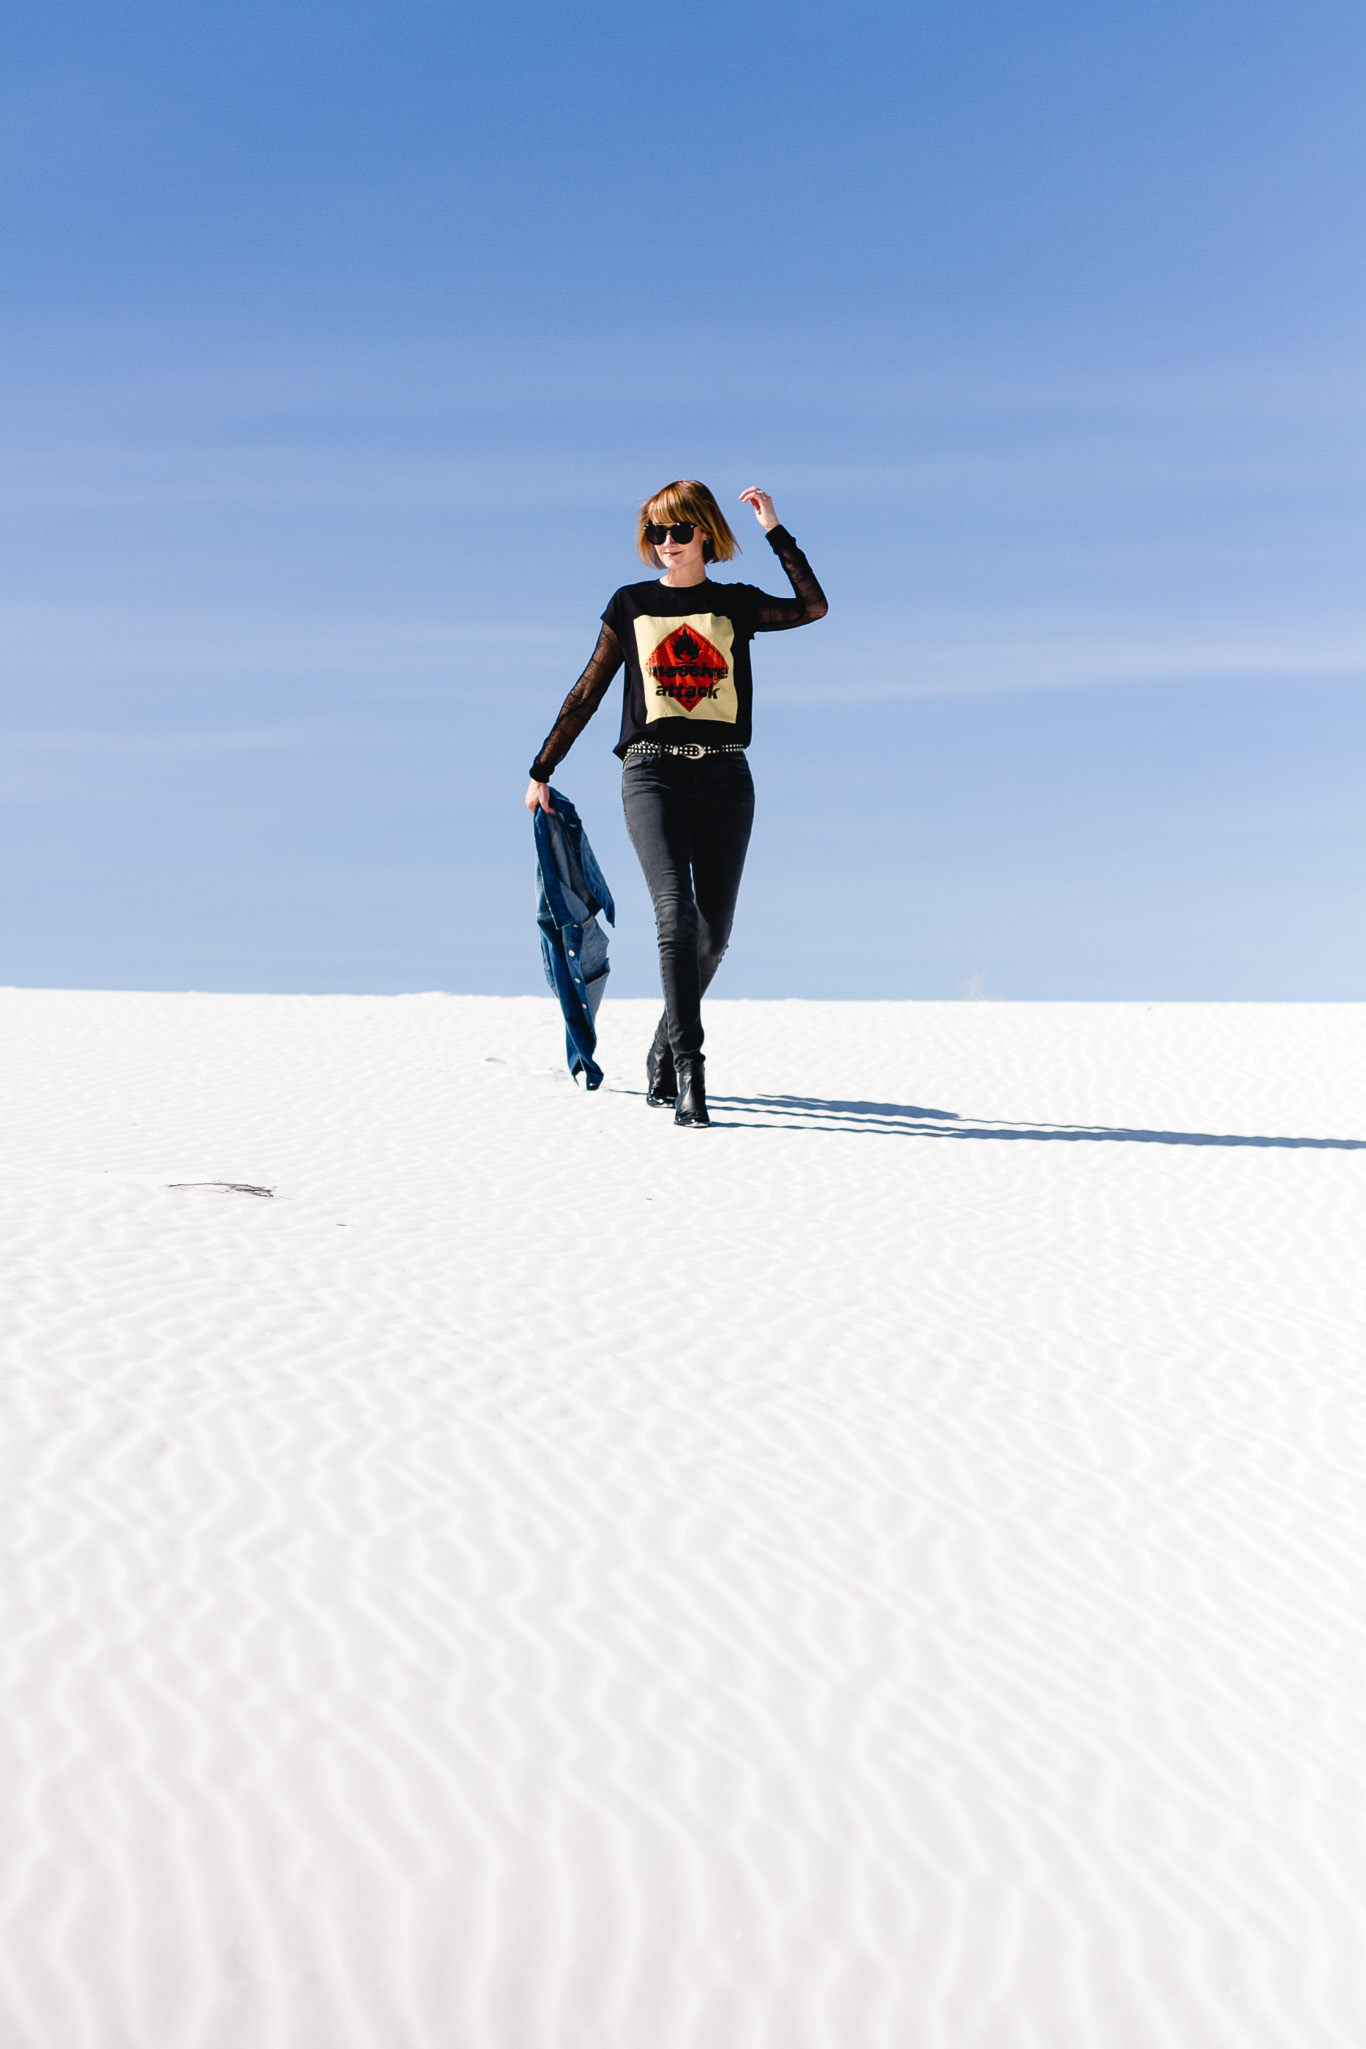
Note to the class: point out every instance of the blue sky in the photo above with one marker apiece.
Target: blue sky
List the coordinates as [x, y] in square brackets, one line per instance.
[341, 343]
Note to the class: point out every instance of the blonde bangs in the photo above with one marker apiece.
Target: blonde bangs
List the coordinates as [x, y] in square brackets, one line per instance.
[686, 499]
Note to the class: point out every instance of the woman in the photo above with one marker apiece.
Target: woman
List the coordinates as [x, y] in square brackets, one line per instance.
[685, 725]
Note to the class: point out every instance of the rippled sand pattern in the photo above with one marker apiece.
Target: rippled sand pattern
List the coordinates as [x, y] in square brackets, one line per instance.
[485, 1570]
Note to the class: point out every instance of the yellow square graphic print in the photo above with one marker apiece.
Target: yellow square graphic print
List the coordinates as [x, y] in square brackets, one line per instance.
[686, 665]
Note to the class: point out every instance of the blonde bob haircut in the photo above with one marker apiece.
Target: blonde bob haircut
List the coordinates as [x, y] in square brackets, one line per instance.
[687, 499]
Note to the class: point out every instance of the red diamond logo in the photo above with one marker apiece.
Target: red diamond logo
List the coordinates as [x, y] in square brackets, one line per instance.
[687, 667]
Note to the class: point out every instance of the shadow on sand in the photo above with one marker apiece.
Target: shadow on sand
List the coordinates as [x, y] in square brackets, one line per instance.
[910, 1120]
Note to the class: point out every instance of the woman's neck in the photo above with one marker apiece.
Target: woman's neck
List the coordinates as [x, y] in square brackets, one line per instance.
[674, 582]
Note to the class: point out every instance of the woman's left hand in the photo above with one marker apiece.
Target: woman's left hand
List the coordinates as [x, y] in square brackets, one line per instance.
[761, 503]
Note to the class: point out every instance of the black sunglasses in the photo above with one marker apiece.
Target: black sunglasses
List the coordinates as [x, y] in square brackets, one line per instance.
[682, 531]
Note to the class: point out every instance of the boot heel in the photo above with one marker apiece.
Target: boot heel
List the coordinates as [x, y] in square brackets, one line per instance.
[661, 1089]
[691, 1107]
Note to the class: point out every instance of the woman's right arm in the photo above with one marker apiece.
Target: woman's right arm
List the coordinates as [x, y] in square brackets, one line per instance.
[577, 709]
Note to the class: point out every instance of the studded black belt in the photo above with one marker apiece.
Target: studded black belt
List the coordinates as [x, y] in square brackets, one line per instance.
[692, 751]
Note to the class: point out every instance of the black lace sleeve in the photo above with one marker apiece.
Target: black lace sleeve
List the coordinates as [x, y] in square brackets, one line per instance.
[810, 603]
[580, 705]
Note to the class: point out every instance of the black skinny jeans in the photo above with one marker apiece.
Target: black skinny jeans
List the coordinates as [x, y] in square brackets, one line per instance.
[689, 823]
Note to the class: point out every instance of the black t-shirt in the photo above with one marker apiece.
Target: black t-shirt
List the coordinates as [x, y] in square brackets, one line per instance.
[686, 656]
[686, 651]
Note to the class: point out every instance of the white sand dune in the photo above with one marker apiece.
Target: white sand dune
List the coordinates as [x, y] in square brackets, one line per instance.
[888, 1573]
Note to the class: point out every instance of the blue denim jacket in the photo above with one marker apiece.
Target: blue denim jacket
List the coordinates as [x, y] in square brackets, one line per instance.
[573, 944]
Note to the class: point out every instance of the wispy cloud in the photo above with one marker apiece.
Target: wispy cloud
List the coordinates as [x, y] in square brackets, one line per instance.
[286, 472]
[103, 644]
[947, 668]
[89, 740]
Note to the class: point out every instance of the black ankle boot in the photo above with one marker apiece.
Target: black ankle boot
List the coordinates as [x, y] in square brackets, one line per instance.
[691, 1107]
[660, 1077]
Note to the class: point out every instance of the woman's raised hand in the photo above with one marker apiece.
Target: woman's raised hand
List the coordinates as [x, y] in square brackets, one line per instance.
[538, 797]
[761, 504]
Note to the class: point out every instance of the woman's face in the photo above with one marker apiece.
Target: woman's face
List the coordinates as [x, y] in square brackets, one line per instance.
[683, 560]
